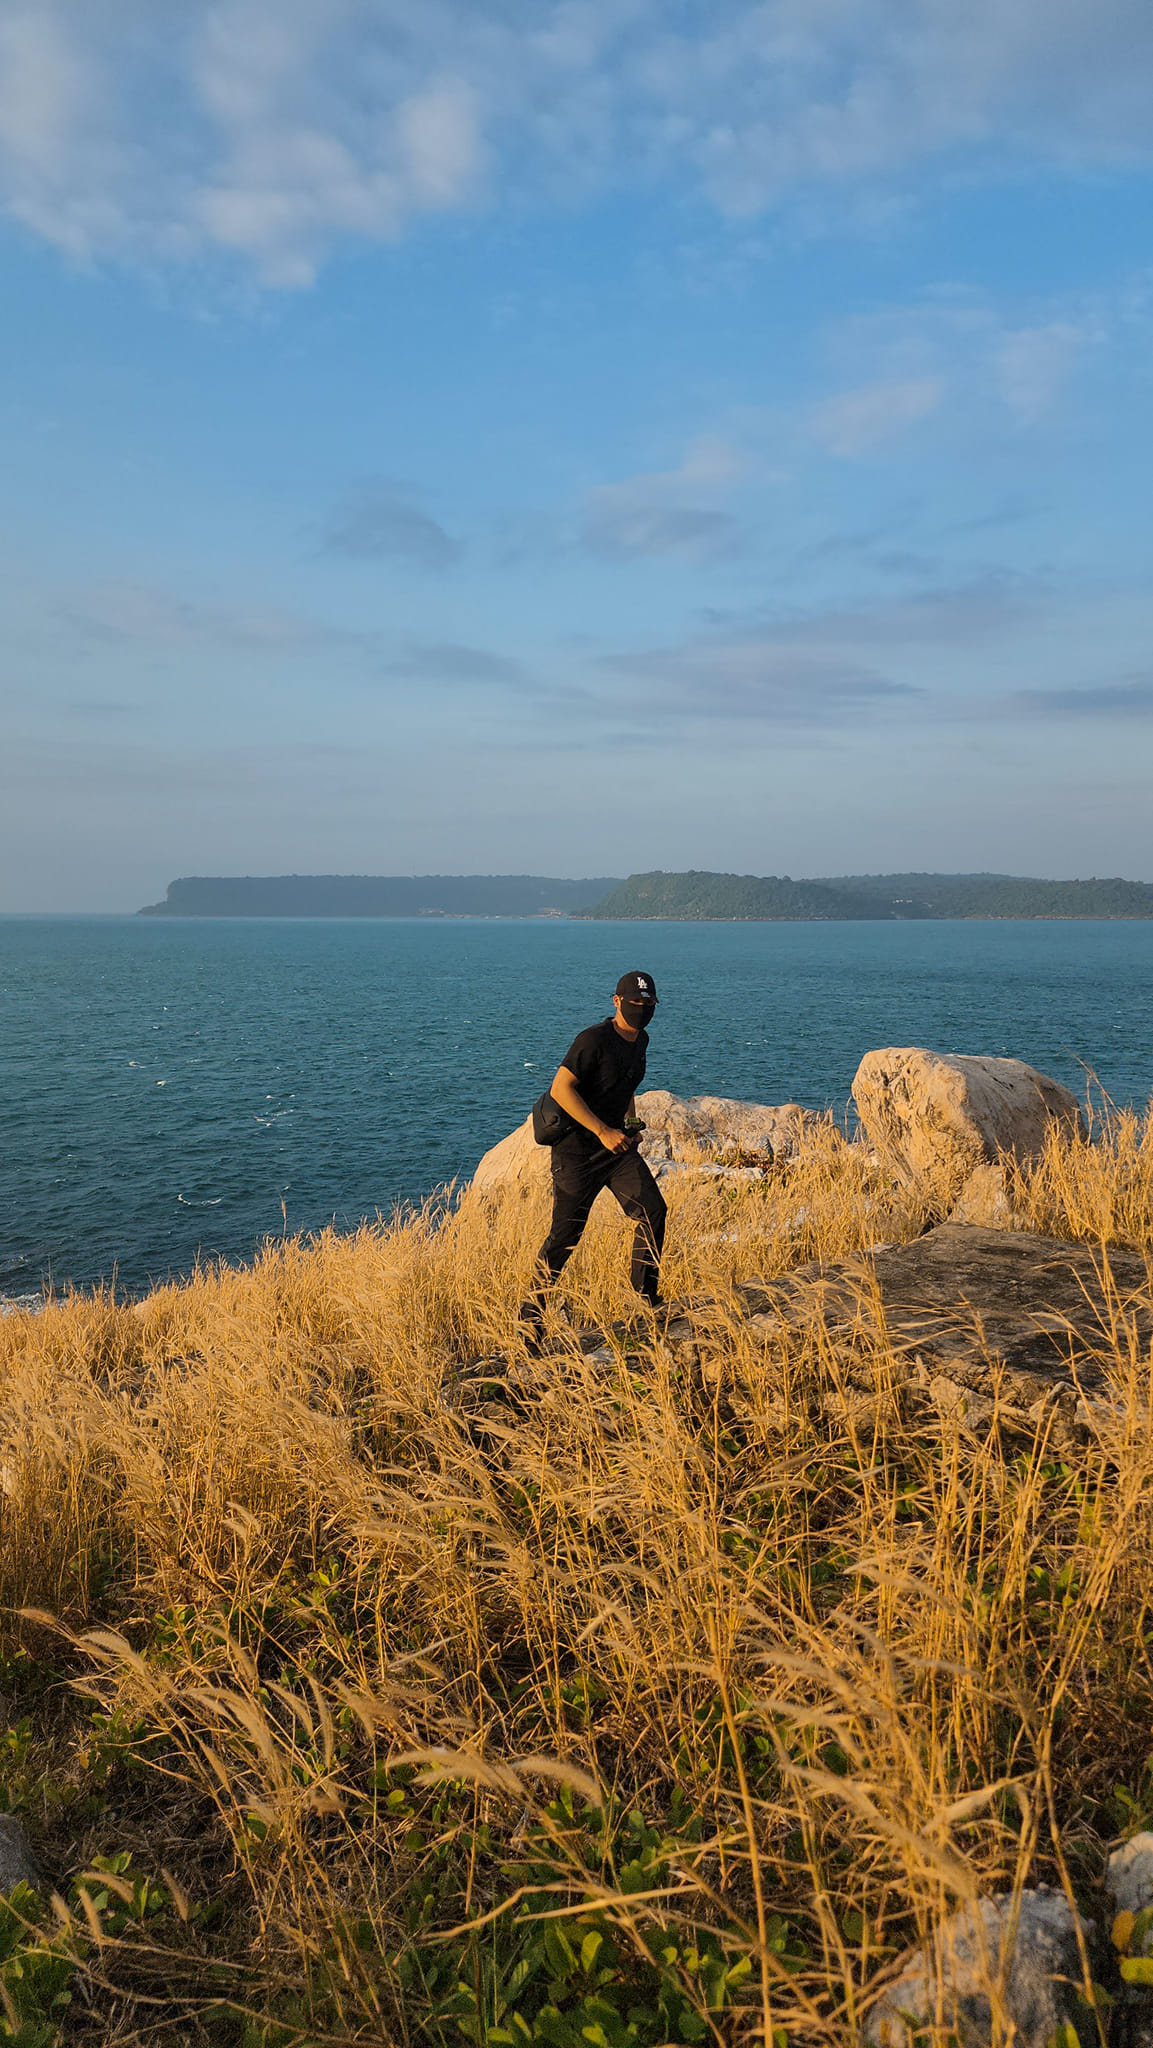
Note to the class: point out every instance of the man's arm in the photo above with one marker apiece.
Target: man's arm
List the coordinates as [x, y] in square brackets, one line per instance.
[565, 1091]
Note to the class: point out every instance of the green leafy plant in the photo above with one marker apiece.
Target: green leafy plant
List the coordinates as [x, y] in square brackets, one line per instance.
[37, 1967]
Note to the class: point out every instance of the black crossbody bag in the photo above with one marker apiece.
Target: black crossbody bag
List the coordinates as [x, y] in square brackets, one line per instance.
[550, 1122]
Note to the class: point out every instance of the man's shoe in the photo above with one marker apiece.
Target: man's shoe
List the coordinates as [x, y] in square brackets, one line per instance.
[530, 1323]
[662, 1312]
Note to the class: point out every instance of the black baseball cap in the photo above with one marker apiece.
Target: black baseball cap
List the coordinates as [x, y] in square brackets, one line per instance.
[637, 988]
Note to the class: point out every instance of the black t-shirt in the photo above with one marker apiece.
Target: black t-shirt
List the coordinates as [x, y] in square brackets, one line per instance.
[608, 1070]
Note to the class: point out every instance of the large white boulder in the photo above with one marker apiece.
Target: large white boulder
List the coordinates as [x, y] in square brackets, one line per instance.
[701, 1132]
[517, 1165]
[938, 1116]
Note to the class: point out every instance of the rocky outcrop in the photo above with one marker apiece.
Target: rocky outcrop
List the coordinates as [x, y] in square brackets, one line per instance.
[704, 1133]
[972, 1325]
[1003, 1969]
[936, 1118]
[517, 1165]
[1129, 1877]
[979, 1322]
[1129, 1883]
[714, 1128]
[17, 1863]
[987, 1197]
[1008, 1968]
[956, 1126]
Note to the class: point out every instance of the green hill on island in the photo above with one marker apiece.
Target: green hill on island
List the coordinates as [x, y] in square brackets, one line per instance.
[999, 896]
[377, 896]
[699, 895]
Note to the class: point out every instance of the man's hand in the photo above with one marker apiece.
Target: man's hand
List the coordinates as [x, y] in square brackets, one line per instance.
[565, 1091]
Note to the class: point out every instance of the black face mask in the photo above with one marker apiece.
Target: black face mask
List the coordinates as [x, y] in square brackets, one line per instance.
[636, 1015]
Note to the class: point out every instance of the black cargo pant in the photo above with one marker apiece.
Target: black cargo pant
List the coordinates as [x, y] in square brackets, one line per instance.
[578, 1176]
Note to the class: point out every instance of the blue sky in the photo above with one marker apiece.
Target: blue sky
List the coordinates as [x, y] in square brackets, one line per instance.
[573, 438]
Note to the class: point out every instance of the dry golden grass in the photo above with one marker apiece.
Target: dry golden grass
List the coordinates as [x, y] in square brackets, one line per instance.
[377, 1673]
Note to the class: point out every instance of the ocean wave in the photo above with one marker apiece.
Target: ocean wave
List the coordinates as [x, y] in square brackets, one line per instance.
[17, 1304]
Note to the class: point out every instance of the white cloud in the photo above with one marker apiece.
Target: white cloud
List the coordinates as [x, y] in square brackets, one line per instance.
[989, 608]
[856, 422]
[668, 512]
[42, 86]
[272, 129]
[58, 174]
[439, 138]
[379, 521]
[960, 353]
[241, 126]
[1132, 697]
[140, 615]
[832, 667]
[140, 618]
[449, 663]
[764, 677]
[305, 151]
[1033, 365]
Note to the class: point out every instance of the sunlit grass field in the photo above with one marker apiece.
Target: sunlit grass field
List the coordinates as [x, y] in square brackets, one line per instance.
[345, 1700]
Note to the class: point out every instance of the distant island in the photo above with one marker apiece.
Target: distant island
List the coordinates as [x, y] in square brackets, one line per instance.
[378, 896]
[696, 896]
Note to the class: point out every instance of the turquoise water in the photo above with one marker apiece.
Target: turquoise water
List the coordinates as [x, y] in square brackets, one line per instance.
[169, 1089]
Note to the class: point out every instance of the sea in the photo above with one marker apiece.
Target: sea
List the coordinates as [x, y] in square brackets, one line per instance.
[182, 1091]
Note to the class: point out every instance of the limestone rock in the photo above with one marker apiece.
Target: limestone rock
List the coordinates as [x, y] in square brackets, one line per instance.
[986, 1199]
[1129, 1875]
[958, 1975]
[701, 1169]
[1129, 1883]
[935, 1117]
[17, 1863]
[517, 1165]
[706, 1133]
[717, 1129]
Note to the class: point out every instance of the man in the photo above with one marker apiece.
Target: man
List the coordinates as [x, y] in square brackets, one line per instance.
[596, 1085]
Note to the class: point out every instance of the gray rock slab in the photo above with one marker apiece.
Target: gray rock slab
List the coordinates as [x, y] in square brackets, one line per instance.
[977, 1315]
[978, 1961]
[17, 1863]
